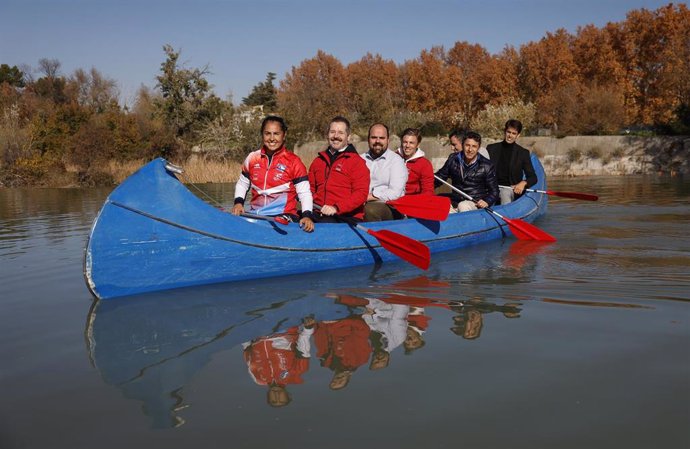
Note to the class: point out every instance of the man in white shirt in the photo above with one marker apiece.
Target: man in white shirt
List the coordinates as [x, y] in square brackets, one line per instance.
[388, 175]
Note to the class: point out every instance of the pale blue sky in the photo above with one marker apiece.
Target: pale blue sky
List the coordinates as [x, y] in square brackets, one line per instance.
[242, 40]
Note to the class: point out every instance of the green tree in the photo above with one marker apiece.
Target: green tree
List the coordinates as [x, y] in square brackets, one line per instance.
[11, 75]
[187, 102]
[263, 94]
[51, 89]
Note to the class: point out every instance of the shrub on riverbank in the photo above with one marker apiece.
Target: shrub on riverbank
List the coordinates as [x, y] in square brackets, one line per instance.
[38, 173]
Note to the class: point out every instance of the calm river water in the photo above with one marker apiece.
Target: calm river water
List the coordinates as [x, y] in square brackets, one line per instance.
[581, 343]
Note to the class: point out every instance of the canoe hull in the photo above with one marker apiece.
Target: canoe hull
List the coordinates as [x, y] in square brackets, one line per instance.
[153, 234]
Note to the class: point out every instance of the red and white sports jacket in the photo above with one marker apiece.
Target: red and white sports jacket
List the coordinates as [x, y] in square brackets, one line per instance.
[276, 183]
[279, 359]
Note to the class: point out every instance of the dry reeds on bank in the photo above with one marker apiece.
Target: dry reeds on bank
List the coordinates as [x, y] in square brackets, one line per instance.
[121, 170]
[196, 170]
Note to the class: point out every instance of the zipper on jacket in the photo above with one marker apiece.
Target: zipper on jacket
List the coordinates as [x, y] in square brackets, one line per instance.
[268, 168]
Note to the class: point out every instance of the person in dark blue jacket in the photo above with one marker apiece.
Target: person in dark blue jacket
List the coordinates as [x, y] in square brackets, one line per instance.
[472, 173]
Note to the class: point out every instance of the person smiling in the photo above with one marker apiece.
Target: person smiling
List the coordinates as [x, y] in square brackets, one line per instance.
[338, 176]
[277, 178]
[420, 172]
[472, 173]
[388, 175]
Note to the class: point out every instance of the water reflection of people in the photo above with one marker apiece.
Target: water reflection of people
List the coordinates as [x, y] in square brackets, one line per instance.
[280, 359]
[468, 322]
[342, 346]
[388, 324]
[418, 323]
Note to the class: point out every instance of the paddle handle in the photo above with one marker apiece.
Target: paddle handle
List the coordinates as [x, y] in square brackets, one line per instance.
[470, 198]
[575, 195]
[281, 219]
[455, 189]
[526, 190]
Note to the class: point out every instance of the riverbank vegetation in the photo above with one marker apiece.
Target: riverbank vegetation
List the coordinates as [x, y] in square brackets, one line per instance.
[630, 76]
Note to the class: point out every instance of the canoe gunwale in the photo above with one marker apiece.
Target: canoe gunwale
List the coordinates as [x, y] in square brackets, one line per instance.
[295, 249]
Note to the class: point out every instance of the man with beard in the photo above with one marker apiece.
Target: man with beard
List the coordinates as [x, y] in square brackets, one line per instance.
[338, 176]
[388, 175]
[513, 164]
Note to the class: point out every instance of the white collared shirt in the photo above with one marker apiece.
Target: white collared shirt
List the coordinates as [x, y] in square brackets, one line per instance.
[388, 175]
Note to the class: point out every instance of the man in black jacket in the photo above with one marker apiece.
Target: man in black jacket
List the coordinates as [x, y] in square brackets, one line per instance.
[513, 164]
[472, 173]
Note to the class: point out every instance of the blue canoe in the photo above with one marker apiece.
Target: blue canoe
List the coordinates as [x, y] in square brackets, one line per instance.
[153, 234]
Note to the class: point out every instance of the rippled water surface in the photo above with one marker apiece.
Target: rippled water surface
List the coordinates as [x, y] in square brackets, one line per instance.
[581, 343]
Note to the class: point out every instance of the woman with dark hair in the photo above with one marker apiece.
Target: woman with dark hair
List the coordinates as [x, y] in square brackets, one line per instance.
[420, 178]
[277, 178]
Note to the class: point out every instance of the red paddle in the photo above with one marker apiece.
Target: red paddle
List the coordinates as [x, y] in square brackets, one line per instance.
[520, 229]
[408, 249]
[428, 207]
[575, 195]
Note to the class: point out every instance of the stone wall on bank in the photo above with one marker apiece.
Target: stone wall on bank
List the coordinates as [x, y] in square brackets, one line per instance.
[568, 156]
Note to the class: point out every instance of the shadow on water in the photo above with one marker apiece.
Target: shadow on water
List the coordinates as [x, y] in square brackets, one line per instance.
[151, 346]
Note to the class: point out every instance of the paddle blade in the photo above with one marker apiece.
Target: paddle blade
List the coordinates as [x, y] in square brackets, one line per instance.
[575, 195]
[408, 249]
[526, 231]
[428, 207]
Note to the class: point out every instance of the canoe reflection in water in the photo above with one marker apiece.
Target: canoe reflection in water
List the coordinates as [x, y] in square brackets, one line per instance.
[151, 346]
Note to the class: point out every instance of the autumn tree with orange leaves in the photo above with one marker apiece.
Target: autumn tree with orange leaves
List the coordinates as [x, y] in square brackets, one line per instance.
[636, 72]
[312, 93]
[654, 50]
[432, 85]
[374, 90]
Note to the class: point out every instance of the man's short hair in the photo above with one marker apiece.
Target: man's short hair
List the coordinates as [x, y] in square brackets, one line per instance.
[472, 135]
[340, 119]
[458, 134]
[513, 123]
[378, 124]
[412, 132]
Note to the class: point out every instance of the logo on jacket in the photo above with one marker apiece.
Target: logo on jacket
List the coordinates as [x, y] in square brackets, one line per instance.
[281, 167]
[338, 168]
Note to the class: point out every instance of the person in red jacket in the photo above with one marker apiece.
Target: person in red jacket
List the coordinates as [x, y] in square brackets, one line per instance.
[338, 176]
[277, 178]
[280, 359]
[342, 346]
[420, 178]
